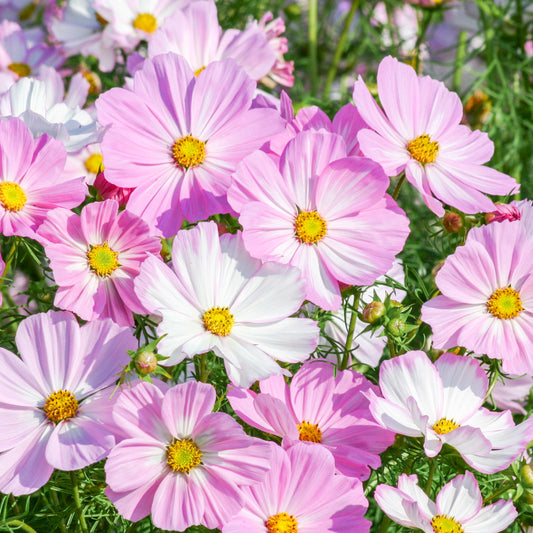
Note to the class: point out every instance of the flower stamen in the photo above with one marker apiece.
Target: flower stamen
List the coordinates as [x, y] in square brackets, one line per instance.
[183, 455]
[310, 227]
[505, 303]
[444, 524]
[282, 523]
[12, 196]
[21, 69]
[94, 164]
[218, 320]
[188, 152]
[423, 149]
[309, 432]
[60, 405]
[145, 22]
[102, 259]
[444, 426]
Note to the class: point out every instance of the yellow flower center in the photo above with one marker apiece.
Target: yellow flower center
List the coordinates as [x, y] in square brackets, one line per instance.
[444, 426]
[60, 405]
[102, 259]
[505, 303]
[94, 164]
[21, 69]
[94, 82]
[309, 432]
[188, 152]
[282, 523]
[103, 22]
[423, 149]
[218, 320]
[197, 72]
[183, 456]
[310, 227]
[442, 524]
[145, 22]
[12, 196]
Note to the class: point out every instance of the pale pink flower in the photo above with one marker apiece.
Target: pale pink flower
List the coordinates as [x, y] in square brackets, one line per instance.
[486, 301]
[322, 408]
[55, 397]
[516, 210]
[512, 393]
[420, 133]
[443, 403]
[95, 257]
[320, 211]
[301, 492]
[216, 297]
[31, 180]
[458, 507]
[191, 465]
[185, 134]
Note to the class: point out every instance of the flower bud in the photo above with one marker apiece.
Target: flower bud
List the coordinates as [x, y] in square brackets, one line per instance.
[452, 222]
[145, 362]
[373, 312]
[395, 327]
[526, 475]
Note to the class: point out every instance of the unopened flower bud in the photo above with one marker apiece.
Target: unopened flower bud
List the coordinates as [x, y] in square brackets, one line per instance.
[526, 475]
[452, 222]
[145, 362]
[395, 327]
[373, 312]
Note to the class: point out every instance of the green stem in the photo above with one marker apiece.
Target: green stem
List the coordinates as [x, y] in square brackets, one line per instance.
[203, 373]
[431, 473]
[340, 48]
[312, 36]
[459, 60]
[77, 501]
[497, 493]
[351, 330]
[398, 186]
[22, 525]
[384, 525]
[427, 15]
[391, 348]
[9, 260]
[58, 507]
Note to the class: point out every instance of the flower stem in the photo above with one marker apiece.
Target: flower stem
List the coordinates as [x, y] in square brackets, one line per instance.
[9, 260]
[431, 473]
[497, 493]
[384, 524]
[340, 48]
[398, 186]
[460, 60]
[312, 36]
[77, 501]
[351, 329]
[22, 525]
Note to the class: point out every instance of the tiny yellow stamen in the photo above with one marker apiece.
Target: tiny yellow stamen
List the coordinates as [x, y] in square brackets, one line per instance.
[309, 432]
[444, 426]
[21, 69]
[183, 456]
[423, 149]
[60, 405]
[218, 320]
[505, 303]
[282, 523]
[443, 524]
[102, 259]
[145, 22]
[197, 72]
[12, 196]
[188, 152]
[94, 164]
[310, 227]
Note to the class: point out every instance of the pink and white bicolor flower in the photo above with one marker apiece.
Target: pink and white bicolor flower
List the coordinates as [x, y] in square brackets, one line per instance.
[442, 402]
[458, 507]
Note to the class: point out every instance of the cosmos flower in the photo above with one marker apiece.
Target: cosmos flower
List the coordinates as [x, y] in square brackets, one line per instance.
[190, 464]
[320, 211]
[185, 134]
[458, 507]
[486, 300]
[319, 407]
[95, 256]
[420, 133]
[443, 403]
[216, 297]
[31, 180]
[54, 400]
[301, 492]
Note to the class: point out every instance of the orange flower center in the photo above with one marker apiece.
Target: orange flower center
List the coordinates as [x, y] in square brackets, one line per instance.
[423, 149]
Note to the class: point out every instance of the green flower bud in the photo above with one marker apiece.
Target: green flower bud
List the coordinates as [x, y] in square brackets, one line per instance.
[145, 362]
[396, 327]
[373, 312]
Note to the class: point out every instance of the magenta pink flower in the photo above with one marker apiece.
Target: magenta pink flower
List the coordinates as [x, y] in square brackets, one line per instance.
[320, 211]
[31, 181]
[95, 257]
[54, 400]
[420, 133]
[302, 492]
[190, 464]
[322, 408]
[486, 301]
[185, 136]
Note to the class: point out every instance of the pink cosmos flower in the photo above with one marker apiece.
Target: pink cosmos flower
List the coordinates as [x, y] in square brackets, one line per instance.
[95, 257]
[516, 210]
[459, 507]
[486, 303]
[190, 464]
[320, 211]
[420, 133]
[54, 402]
[319, 407]
[443, 403]
[301, 492]
[216, 297]
[185, 136]
[512, 393]
[31, 181]
[201, 41]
